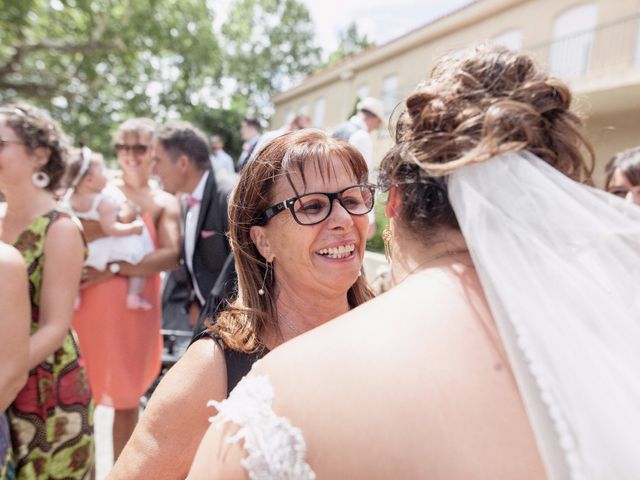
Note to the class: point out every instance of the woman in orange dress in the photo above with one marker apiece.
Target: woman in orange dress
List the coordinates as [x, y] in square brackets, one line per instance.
[122, 347]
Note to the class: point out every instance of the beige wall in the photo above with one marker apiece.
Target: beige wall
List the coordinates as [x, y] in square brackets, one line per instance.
[611, 134]
[410, 57]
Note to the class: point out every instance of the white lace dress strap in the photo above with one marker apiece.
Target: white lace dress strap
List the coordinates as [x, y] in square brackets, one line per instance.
[276, 449]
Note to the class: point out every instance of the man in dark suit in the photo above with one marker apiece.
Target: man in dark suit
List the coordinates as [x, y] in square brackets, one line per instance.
[250, 130]
[181, 155]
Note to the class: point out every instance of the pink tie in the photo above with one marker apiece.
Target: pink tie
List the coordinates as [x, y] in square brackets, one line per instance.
[191, 201]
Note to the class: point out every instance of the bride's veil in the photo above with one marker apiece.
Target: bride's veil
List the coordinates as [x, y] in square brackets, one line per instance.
[559, 263]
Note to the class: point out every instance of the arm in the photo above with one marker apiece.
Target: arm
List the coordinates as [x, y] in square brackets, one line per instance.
[64, 254]
[14, 324]
[109, 221]
[92, 230]
[167, 255]
[165, 441]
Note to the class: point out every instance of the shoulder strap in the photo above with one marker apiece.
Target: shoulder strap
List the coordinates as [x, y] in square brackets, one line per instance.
[238, 363]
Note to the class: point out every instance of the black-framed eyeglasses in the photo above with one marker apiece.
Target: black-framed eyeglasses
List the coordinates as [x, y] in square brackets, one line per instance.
[137, 149]
[4, 142]
[315, 207]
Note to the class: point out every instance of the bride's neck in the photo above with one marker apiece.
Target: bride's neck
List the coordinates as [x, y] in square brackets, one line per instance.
[411, 254]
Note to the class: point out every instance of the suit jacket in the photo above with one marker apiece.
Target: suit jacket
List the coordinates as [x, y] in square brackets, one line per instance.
[211, 248]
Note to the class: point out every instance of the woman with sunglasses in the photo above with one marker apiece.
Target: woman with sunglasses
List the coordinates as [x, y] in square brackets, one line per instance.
[51, 420]
[298, 225]
[123, 347]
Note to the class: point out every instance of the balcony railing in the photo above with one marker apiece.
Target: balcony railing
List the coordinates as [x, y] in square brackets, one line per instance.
[609, 49]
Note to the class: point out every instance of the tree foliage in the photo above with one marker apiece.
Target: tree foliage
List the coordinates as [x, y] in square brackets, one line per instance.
[350, 42]
[267, 43]
[94, 63]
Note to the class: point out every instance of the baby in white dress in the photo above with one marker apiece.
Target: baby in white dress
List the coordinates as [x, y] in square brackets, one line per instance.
[91, 199]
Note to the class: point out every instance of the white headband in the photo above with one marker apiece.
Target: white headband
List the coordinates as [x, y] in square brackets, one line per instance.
[85, 153]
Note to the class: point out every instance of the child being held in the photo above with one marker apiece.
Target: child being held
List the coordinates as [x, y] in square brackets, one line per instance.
[126, 242]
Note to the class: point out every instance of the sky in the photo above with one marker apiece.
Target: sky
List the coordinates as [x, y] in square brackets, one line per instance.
[381, 20]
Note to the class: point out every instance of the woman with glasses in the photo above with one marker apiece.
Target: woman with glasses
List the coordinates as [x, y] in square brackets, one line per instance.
[298, 225]
[623, 175]
[123, 347]
[509, 346]
[51, 418]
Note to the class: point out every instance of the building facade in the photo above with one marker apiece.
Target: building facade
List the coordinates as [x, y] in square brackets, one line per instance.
[594, 45]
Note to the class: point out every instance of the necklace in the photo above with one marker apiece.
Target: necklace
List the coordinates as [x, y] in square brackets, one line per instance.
[421, 265]
[296, 331]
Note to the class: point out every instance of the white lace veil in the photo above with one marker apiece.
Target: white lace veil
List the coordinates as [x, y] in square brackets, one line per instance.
[559, 263]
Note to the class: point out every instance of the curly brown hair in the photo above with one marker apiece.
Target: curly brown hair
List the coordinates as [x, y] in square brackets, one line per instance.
[475, 105]
[251, 315]
[36, 128]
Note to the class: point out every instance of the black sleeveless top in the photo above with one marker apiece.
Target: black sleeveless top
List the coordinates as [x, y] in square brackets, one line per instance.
[238, 363]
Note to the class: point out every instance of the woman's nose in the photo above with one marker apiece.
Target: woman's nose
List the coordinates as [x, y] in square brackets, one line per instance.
[339, 216]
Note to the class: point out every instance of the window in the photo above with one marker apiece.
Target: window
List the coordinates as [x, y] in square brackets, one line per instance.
[318, 113]
[390, 93]
[304, 109]
[512, 39]
[363, 91]
[572, 41]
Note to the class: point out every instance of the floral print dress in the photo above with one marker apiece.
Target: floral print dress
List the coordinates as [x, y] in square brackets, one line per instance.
[51, 419]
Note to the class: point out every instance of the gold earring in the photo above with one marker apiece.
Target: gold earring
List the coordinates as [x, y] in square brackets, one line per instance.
[387, 234]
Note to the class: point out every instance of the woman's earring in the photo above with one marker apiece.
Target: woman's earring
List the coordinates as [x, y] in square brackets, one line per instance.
[40, 179]
[264, 279]
[387, 234]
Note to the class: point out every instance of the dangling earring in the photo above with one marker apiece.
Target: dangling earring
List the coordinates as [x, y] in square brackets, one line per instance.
[387, 234]
[264, 280]
[40, 179]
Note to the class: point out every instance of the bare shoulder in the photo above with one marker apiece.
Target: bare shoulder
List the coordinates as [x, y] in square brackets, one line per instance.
[64, 228]
[165, 199]
[200, 373]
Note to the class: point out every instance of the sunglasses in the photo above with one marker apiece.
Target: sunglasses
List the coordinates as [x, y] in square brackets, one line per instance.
[312, 208]
[137, 149]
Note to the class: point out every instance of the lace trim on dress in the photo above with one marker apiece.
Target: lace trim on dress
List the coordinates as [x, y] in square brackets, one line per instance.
[276, 449]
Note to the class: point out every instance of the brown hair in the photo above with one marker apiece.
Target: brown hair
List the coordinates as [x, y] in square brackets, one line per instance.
[628, 162]
[75, 164]
[481, 103]
[36, 128]
[251, 315]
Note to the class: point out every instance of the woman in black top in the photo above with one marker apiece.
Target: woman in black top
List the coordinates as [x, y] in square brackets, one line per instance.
[298, 228]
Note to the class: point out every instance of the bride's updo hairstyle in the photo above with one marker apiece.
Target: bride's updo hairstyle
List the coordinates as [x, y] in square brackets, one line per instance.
[475, 105]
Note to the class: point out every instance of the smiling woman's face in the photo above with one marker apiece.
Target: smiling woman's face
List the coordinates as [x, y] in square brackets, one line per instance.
[316, 260]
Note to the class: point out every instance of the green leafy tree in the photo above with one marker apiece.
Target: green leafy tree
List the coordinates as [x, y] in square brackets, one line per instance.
[267, 44]
[350, 42]
[95, 63]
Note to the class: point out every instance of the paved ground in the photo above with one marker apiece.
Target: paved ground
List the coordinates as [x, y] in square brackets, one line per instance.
[104, 450]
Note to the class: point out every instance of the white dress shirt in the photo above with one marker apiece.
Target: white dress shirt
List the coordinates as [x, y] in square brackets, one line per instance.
[190, 225]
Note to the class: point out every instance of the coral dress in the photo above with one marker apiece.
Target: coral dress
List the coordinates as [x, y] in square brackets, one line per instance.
[51, 419]
[122, 348]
